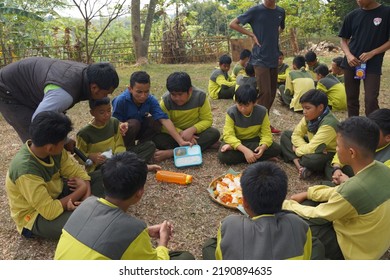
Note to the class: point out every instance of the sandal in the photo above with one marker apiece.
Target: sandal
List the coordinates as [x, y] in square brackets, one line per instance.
[304, 173]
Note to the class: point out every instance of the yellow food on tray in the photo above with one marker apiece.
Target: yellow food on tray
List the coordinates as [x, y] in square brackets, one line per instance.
[227, 190]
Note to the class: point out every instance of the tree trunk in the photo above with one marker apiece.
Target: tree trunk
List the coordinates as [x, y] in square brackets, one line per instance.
[141, 43]
[294, 40]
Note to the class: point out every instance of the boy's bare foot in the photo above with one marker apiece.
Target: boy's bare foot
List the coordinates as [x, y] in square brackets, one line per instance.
[226, 147]
[161, 155]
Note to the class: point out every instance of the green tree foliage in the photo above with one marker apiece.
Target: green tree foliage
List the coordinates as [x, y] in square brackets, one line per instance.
[210, 18]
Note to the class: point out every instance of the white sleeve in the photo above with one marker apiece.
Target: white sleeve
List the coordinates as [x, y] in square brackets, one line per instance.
[57, 100]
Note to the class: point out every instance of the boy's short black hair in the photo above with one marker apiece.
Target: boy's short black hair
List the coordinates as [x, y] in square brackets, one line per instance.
[338, 60]
[49, 127]
[310, 56]
[250, 70]
[246, 94]
[225, 59]
[245, 53]
[140, 77]
[264, 187]
[103, 74]
[315, 97]
[322, 69]
[382, 118]
[93, 103]
[299, 61]
[123, 175]
[179, 82]
[360, 132]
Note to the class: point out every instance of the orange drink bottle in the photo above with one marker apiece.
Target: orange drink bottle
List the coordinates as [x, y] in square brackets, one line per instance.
[173, 177]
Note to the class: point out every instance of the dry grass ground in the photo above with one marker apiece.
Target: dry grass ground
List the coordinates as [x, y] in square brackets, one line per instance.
[194, 215]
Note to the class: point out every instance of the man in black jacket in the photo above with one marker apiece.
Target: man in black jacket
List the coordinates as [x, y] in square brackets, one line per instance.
[37, 84]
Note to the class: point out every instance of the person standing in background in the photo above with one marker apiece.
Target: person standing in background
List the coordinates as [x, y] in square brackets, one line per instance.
[364, 37]
[266, 20]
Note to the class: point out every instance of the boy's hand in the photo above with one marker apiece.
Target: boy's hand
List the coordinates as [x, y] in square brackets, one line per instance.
[299, 197]
[69, 146]
[165, 233]
[97, 158]
[339, 177]
[79, 184]
[123, 127]
[250, 156]
[352, 60]
[259, 151]
[188, 134]
[153, 167]
[71, 206]
[185, 143]
[364, 57]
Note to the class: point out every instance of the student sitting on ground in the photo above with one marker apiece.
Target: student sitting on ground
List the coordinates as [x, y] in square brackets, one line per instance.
[101, 229]
[298, 82]
[221, 85]
[313, 142]
[283, 70]
[239, 68]
[268, 233]
[339, 173]
[44, 184]
[247, 134]
[144, 116]
[352, 220]
[190, 112]
[336, 68]
[312, 63]
[102, 137]
[249, 77]
[333, 88]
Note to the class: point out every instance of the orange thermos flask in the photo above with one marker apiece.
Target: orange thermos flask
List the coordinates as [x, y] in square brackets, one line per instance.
[173, 177]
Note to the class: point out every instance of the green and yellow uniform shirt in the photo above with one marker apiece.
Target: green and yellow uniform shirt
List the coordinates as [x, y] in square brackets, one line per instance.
[359, 210]
[99, 230]
[33, 185]
[239, 127]
[95, 139]
[196, 112]
[283, 71]
[266, 237]
[218, 79]
[335, 91]
[298, 82]
[324, 137]
[238, 69]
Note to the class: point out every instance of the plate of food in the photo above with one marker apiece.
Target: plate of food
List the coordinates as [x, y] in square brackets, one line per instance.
[226, 190]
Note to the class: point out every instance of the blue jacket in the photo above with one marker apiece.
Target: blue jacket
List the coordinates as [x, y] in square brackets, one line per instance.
[124, 108]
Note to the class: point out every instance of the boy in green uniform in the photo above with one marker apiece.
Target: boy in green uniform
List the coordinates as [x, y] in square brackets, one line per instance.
[101, 229]
[313, 142]
[190, 112]
[102, 137]
[249, 77]
[268, 233]
[247, 134]
[352, 220]
[239, 68]
[336, 69]
[312, 63]
[298, 82]
[283, 70]
[40, 202]
[332, 87]
[340, 173]
[221, 85]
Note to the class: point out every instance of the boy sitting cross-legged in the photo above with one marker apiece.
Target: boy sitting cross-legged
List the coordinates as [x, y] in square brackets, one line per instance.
[102, 137]
[190, 112]
[101, 229]
[313, 142]
[247, 134]
[352, 220]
